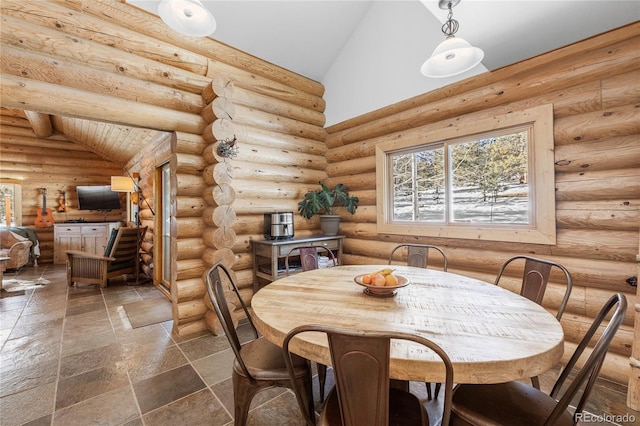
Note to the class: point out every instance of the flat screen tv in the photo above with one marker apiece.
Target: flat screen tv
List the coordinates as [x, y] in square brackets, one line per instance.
[97, 198]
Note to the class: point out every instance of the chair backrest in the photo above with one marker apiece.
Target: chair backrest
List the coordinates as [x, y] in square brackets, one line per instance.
[418, 255]
[123, 247]
[360, 362]
[308, 257]
[535, 277]
[591, 367]
[217, 277]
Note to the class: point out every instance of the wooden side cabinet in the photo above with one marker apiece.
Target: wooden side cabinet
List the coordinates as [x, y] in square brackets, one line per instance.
[268, 256]
[89, 237]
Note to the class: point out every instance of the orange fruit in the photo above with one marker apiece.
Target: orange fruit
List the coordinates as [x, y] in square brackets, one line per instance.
[390, 280]
[366, 279]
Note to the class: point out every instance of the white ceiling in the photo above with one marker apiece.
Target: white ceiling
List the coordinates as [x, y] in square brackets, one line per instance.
[308, 36]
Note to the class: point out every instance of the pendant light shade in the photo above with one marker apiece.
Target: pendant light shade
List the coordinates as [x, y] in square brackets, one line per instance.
[454, 55]
[187, 17]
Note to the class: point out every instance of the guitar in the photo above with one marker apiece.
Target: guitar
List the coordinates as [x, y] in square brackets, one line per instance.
[44, 217]
[62, 201]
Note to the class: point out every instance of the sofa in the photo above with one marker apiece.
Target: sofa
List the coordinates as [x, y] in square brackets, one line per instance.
[16, 248]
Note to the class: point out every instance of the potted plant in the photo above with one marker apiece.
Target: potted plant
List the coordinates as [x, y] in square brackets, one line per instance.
[324, 202]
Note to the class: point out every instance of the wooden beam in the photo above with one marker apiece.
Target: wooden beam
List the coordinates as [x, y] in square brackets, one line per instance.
[41, 123]
[44, 97]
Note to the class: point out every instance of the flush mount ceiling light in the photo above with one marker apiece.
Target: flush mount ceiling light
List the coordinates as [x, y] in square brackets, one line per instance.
[454, 55]
[188, 17]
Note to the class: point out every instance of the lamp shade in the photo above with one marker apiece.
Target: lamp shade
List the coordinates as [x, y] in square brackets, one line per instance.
[122, 184]
[187, 17]
[452, 57]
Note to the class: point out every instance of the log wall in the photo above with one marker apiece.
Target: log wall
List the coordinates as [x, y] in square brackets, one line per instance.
[594, 87]
[56, 164]
[113, 62]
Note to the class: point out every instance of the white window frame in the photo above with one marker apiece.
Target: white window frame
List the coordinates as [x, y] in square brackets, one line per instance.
[16, 201]
[541, 230]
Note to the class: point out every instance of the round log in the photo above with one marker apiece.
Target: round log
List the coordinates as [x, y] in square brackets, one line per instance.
[615, 153]
[288, 126]
[220, 238]
[224, 216]
[191, 309]
[189, 163]
[212, 256]
[224, 194]
[189, 268]
[265, 86]
[246, 133]
[189, 289]
[189, 328]
[190, 248]
[224, 107]
[189, 206]
[598, 125]
[189, 227]
[189, 185]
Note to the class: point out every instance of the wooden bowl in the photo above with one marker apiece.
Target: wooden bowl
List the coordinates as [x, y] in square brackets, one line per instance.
[382, 291]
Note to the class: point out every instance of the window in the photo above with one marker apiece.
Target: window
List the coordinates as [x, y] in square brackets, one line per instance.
[490, 179]
[10, 204]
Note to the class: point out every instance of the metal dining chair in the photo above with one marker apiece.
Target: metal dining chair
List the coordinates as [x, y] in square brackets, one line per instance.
[309, 261]
[362, 395]
[535, 276]
[258, 364]
[418, 256]
[309, 257]
[517, 403]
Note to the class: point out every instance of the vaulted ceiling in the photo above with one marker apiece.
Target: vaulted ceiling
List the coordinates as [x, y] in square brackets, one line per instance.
[307, 37]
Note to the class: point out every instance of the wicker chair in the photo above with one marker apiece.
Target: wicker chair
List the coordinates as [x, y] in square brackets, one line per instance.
[119, 258]
[18, 254]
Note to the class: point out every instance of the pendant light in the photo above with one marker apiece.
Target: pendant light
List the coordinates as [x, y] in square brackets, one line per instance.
[454, 55]
[187, 17]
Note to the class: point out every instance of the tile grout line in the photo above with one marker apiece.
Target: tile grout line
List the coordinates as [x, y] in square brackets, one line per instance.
[117, 339]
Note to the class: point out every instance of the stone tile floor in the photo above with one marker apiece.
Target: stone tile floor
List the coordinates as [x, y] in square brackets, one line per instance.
[69, 356]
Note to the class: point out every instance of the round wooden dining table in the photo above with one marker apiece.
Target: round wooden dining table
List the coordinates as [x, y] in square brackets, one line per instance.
[491, 334]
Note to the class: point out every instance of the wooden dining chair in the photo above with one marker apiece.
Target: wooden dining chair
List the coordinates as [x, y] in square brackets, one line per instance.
[309, 256]
[535, 276]
[517, 403]
[258, 364]
[362, 395]
[418, 256]
[119, 258]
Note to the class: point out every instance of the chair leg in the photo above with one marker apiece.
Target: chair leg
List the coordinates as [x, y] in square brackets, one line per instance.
[322, 378]
[535, 381]
[308, 393]
[243, 393]
[437, 390]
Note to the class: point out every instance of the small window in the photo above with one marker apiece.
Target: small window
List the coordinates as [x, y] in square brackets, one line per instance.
[10, 204]
[495, 182]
